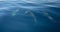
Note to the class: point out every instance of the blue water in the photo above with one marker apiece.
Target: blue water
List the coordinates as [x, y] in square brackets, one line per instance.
[29, 17]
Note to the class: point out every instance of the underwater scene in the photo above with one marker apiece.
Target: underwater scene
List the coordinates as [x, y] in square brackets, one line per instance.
[29, 15]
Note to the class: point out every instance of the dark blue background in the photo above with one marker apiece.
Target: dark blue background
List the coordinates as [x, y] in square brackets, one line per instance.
[24, 22]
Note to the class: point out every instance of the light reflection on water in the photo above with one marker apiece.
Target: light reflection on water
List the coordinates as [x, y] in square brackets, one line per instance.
[29, 17]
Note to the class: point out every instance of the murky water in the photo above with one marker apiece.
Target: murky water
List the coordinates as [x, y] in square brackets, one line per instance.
[29, 16]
